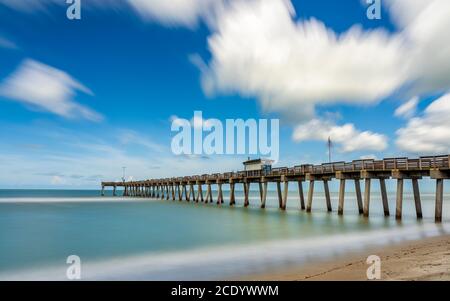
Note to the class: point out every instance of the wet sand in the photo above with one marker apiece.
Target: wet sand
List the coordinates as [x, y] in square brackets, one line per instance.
[427, 259]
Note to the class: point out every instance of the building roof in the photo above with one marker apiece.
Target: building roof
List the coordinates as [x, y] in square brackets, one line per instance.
[257, 161]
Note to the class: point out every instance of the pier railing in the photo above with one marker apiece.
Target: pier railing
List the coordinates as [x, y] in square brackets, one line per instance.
[436, 167]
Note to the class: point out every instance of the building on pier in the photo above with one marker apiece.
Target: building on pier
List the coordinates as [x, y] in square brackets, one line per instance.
[257, 167]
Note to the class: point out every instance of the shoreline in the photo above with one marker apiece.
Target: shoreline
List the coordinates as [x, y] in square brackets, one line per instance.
[425, 259]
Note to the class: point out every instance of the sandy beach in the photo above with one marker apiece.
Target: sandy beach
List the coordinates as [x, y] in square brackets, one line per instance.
[427, 259]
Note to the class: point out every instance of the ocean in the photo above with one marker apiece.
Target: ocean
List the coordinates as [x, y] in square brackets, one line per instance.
[134, 238]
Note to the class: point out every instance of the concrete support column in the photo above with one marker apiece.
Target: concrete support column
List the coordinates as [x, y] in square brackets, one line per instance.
[180, 192]
[191, 191]
[384, 197]
[114, 190]
[232, 196]
[341, 197]
[219, 194]
[285, 195]
[417, 201]
[260, 190]
[209, 198]
[302, 197]
[399, 200]
[173, 191]
[280, 197]
[367, 197]
[125, 190]
[103, 190]
[327, 195]
[157, 191]
[199, 194]
[167, 191]
[264, 195]
[439, 200]
[246, 193]
[185, 192]
[310, 196]
[359, 196]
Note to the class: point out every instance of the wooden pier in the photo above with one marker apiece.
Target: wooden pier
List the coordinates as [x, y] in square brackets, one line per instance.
[190, 188]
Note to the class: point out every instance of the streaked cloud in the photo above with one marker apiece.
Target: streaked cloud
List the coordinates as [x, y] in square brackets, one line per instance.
[170, 13]
[346, 136]
[429, 133]
[259, 50]
[49, 89]
[408, 109]
[174, 12]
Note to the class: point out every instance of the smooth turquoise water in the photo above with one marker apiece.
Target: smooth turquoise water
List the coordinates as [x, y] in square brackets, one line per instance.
[39, 229]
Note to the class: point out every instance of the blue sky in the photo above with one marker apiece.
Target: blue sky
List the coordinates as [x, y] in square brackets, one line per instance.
[322, 67]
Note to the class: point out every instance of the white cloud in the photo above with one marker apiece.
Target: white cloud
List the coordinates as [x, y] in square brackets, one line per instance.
[132, 137]
[259, 50]
[368, 157]
[174, 12]
[47, 88]
[424, 25]
[408, 109]
[29, 5]
[429, 133]
[349, 138]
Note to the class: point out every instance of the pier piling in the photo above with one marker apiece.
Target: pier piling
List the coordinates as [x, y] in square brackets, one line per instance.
[246, 193]
[384, 197]
[232, 196]
[367, 197]
[341, 197]
[285, 195]
[439, 199]
[264, 195]
[399, 200]
[417, 201]
[327, 195]
[310, 196]
[301, 196]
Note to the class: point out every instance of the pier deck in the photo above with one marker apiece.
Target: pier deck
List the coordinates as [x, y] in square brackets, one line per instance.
[399, 169]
